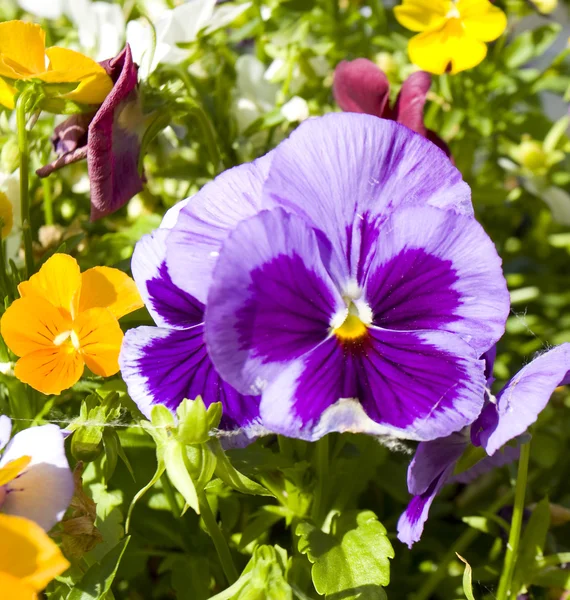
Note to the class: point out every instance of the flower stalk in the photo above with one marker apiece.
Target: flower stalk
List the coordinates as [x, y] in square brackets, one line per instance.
[506, 581]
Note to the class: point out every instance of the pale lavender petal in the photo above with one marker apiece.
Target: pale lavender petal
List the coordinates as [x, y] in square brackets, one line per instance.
[167, 303]
[165, 366]
[271, 299]
[411, 523]
[5, 430]
[422, 385]
[524, 397]
[206, 220]
[44, 490]
[437, 270]
[344, 173]
[432, 458]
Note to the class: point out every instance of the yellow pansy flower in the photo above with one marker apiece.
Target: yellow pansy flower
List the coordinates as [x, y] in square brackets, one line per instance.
[23, 56]
[65, 320]
[29, 559]
[452, 32]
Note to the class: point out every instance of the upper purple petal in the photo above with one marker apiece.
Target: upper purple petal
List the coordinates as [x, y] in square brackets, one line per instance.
[113, 146]
[344, 173]
[437, 270]
[167, 303]
[523, 398]
[361, 86]
[206, 220]
[271, 299]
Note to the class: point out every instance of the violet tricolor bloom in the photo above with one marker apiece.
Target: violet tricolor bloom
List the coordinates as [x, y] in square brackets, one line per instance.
[168, 363]
[35, 479]
[361, 86]
[352, 288]
[504, 418]
[109, 138]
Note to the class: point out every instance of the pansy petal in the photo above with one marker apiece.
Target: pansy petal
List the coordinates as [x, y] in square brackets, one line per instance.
[115, 135]
[481, 19]
[343, 174]
[419, 15]
[104, 287]
[409, 108]
[411, 523]
[14, 587]
[169, 305]
[5, 430]
[425, 274]
[420, 385]
[432, 458]
[31, 324]
[7, 94]
[447, 48]
[270, 302]
[207, 219]
[168, 365]
[44, 489]
[58, 281]
[23, 44]
[524, 397]
[361, 86]
[50, 370]
[28, 554]
[100, 339]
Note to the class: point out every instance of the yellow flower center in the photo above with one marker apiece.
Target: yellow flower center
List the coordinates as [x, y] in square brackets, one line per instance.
[352, 328]
[69, 338]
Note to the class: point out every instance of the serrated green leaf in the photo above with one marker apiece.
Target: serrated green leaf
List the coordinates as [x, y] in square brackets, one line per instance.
[353, 557]
[99, 577]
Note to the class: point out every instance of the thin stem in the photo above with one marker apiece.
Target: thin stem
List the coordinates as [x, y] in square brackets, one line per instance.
[218, 538]
[322, 459]
[24, 181]
[170, 495]
[463, 542]
[48, 201]
[506, 581]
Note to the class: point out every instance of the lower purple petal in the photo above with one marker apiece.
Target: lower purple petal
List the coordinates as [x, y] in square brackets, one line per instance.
[165, 366]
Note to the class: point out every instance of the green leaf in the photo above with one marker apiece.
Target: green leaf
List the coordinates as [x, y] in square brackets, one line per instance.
[265, 518]
[193, 427]
[467, 579]
[98, 579]
[175, 461]
[232, 477]
[354, 557]
[530, 44]
[532, 544]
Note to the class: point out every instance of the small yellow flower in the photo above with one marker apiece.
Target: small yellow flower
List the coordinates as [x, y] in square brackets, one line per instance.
[6, 215]
[452, 32]
[65, 320]
[29, 559]
[23, 56]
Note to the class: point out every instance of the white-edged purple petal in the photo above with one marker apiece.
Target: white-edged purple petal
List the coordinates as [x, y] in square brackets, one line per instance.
[345, 173]
[5, 430]
[165, 366]
[436, 270]
[167, 303]
[271, 299]
[43, 491]
[523, 398]
[206, 220]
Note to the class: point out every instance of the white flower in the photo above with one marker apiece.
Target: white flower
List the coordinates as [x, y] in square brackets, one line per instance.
[46, 9]
[35, 479]
[296, 110]
[10, 185]
[181, 25]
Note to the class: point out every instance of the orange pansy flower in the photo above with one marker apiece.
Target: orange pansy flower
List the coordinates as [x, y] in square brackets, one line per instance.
[65, 320]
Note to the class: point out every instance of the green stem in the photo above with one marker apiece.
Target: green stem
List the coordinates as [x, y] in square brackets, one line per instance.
[380, 13]
[170, 495]
[24, 181]
[322, 459]
[506, 581]
[48, 201]
[463, 542]
[218, 538]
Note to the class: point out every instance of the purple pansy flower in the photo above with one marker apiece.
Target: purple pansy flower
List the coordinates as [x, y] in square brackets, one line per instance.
[42, 491]
[505, 417]
[361, 86]
[168, 363]
[352, 288]
[109, 138]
